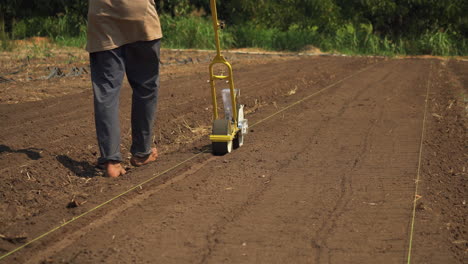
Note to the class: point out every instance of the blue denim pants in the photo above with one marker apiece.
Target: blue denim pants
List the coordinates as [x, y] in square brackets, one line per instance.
[140, 62]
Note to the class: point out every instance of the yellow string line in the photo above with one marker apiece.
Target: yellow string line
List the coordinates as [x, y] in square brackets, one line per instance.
[100, 205]
[418, 175]
[312, 95]
[172, 168]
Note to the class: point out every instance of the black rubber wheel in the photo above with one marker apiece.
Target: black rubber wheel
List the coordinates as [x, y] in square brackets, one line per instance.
[221, 127]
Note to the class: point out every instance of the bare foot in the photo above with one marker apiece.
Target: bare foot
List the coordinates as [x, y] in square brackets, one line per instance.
[114, 169]
[137, 161]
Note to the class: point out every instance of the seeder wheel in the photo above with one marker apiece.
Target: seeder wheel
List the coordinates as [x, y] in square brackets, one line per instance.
[239, 139]
[221, 127]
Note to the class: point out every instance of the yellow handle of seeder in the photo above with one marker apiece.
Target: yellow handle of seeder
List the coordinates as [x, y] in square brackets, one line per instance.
[219, 59]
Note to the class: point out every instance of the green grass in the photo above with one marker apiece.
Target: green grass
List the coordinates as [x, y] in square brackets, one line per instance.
[196, 32]
[249, 35]
[191, 32]
[65, 29]
[63, 25]
[360, 39]
[5, 43]
[350, 39]
[438, 43]
[78, 40]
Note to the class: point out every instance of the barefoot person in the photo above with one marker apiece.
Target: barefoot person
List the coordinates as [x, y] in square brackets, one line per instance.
[124, 38]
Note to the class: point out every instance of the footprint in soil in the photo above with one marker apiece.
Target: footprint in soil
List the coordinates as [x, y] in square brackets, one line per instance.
[79, 168]
[32, 153]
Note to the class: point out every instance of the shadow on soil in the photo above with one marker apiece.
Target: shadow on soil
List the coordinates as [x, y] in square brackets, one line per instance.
[79, 168]
[32, 153]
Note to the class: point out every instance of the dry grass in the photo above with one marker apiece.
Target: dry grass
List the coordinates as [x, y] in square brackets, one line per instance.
[292, 91]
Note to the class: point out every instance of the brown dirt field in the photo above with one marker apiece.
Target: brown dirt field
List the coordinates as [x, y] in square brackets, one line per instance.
[328, 180]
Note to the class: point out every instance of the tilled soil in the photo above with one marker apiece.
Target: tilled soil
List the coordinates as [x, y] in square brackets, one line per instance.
[331, 178]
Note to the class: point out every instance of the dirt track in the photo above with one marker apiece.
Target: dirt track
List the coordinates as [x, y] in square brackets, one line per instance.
[329, 180]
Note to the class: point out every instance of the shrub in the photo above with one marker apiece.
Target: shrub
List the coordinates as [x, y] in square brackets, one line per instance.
[192, 32]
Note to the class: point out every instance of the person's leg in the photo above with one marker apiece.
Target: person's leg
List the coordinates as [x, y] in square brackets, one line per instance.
[142, 68]
[107, 71]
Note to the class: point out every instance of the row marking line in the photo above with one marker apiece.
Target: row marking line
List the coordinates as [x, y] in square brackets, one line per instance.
[418, 174]
[176, 166]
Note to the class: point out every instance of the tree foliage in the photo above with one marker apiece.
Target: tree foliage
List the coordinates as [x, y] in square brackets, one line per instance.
[16, 10]
[389, 20]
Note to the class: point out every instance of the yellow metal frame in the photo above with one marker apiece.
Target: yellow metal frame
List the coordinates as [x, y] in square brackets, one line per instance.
[219, 59]
[222, 138]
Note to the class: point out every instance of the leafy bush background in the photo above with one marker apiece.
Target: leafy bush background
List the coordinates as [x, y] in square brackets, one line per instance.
[438, 27]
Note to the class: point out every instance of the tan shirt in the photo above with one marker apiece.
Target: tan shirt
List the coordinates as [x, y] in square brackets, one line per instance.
[113, 23]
